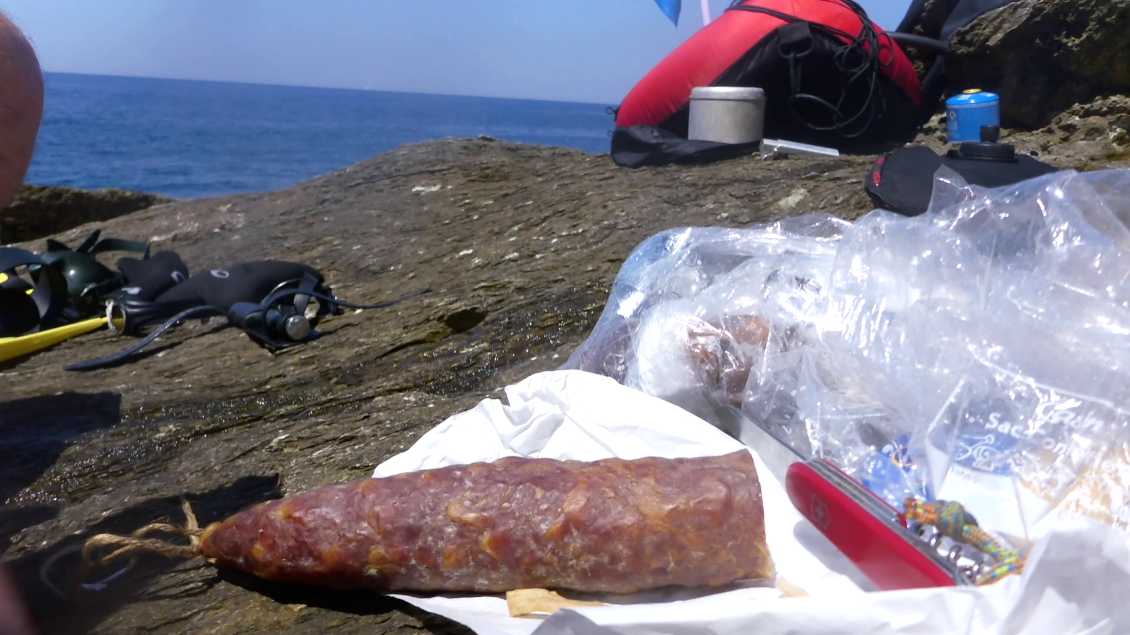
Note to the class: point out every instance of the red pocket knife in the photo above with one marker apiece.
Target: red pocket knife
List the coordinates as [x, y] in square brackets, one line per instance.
[863, 526]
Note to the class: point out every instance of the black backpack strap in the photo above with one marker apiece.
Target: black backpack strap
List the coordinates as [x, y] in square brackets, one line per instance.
[794, 43]
[858, 60]
[909, 40]
[934, 82]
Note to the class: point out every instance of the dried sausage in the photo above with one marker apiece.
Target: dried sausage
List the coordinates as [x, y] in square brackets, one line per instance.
[612, 525]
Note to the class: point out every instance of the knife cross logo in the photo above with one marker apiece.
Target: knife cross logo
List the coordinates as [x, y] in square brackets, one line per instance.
[820, 514]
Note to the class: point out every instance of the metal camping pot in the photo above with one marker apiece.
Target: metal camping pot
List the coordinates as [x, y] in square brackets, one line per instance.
[727, 114]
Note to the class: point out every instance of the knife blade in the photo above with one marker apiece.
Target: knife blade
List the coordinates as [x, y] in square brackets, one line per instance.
[863, 526]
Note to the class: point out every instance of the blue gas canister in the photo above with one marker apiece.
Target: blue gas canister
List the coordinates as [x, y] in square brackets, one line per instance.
[967, 112]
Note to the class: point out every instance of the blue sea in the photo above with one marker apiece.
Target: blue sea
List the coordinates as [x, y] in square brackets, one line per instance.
[191, 139]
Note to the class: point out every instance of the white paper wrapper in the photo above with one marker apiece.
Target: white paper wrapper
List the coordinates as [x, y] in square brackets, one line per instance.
[1077, 580]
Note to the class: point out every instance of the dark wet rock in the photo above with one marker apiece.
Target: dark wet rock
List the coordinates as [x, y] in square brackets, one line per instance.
[1044, 56]
[42, 210]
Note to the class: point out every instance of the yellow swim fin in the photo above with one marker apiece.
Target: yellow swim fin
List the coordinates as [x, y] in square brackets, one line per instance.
[12, 347]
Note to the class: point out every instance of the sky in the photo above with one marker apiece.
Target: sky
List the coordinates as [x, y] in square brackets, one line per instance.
[574, 50]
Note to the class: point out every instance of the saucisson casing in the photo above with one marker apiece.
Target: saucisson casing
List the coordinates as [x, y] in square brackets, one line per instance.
[612, 525]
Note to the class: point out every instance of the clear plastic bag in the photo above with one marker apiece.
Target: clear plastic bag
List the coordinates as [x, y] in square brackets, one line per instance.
[979, 352]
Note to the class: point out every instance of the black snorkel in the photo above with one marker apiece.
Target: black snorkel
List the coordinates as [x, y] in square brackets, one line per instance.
[279, 320]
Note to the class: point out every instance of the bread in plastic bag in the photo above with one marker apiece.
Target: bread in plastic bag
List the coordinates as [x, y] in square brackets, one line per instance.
[979, 352]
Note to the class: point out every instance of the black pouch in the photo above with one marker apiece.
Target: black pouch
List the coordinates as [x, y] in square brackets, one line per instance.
[903, 180]
[639, 146]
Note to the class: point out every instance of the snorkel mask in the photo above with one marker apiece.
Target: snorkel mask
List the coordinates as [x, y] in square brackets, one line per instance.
[87, 280]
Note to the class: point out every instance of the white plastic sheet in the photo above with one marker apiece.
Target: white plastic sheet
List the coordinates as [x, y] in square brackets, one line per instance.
[1076, 582]
[978, 353]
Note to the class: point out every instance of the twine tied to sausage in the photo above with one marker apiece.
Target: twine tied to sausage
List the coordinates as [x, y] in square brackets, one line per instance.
[136, 543]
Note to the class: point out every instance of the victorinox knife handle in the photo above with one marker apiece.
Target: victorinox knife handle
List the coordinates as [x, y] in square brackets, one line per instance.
[885, 551]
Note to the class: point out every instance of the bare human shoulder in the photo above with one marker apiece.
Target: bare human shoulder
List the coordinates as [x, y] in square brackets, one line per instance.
[21, 106]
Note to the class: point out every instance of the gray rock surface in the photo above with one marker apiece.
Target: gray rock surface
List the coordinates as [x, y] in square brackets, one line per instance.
[1044, 56]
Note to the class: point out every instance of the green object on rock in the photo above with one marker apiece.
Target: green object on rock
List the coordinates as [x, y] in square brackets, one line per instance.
[87, 279]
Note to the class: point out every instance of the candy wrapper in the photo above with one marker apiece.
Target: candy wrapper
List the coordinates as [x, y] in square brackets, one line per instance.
[976, 353]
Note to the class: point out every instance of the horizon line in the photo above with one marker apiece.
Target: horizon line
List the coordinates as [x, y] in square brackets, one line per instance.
[345, 88]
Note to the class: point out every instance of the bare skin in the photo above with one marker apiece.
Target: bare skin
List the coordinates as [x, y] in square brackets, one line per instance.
[13, 620]
[21, 107]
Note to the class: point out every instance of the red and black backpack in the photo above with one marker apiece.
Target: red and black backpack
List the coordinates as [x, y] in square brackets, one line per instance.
[831, 77]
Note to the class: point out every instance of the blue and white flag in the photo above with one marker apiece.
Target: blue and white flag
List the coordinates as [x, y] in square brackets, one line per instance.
[671, 9]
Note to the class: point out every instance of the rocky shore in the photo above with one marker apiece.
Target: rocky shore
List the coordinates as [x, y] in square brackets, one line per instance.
[520, 245]
[39, 211]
